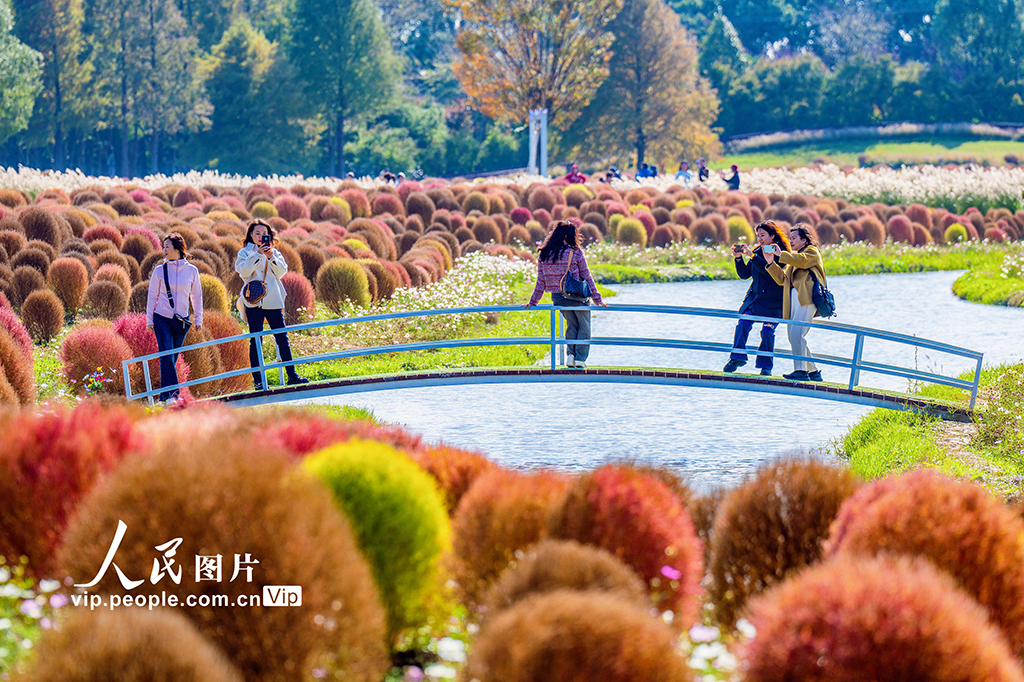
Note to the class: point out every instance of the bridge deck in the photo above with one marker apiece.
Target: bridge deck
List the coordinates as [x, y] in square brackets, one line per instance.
[626, 375]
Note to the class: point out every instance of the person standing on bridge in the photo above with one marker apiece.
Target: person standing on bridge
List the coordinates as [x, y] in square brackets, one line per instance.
[560, 256]
[764, 297]
[803, 265]
[258, 261]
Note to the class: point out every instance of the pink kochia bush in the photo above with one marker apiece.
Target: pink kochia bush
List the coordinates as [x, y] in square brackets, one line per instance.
[958, 526]
[49, 458]
[90, 348]
[640, 520]
[132, 328]
[887, 619]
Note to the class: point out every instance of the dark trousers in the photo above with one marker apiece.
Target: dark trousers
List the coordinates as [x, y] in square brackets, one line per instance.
[168, 336]
[739, 340]
[275, 318]
[577, 326]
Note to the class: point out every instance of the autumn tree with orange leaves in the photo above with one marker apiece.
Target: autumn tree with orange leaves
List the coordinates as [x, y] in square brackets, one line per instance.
[518, 55]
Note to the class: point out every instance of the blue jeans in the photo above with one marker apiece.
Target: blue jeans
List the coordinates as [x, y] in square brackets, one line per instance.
[168, 336]
[743, 327]
[577, 326]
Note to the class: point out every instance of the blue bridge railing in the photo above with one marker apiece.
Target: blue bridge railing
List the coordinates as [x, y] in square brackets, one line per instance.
[855, 362]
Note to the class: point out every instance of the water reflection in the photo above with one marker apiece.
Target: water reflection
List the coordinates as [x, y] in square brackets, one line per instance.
[712, 436]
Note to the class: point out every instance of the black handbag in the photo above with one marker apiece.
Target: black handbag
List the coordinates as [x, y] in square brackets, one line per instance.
[183, 323]
[572, 287]
[253, 292]
[822, 298]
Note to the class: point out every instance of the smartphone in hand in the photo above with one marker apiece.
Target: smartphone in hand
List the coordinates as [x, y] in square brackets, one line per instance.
[770, 248]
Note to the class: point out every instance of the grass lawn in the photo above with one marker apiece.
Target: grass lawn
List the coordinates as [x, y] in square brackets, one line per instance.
[923, 149]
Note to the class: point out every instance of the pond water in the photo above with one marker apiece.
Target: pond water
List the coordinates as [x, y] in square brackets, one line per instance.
[712, 437]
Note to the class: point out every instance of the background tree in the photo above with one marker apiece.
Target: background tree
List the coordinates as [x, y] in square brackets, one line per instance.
[849, 31]
[21, 70]
[722, 55]
[518, 55]
[980, 38]
[54, 29]
[654, 102]
[343, 55]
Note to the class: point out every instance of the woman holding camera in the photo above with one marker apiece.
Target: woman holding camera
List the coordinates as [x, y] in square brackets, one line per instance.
[764, 297]
[260, 263]
[803, 266]
[172, 286]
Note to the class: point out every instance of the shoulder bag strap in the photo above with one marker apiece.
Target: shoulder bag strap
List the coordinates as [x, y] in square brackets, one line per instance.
[568, 266]
[167, 283]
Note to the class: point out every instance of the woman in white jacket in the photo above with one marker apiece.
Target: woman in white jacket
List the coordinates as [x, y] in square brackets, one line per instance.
[260, 261]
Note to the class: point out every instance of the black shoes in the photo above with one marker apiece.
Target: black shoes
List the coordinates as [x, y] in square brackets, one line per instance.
[257, 385]
[732, 366]
[815, 375]
[798, 375]
[296, 380]
[765, 372]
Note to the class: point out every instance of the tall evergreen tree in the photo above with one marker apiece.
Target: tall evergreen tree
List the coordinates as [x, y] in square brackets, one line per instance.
[21, 81]
[654, 102]
[344, 58]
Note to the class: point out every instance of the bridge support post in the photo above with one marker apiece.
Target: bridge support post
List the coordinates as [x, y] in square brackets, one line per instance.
[561, 335]
[259, 356]
[977, 380]
[858, 350]
[149, 382]
[554, 358]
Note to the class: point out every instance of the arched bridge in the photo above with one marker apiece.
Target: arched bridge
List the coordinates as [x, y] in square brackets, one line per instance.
[853, 390]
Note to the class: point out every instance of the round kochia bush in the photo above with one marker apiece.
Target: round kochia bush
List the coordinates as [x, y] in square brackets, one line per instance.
[43, 314]
[220, 499]
[572, 635]
[631, 231]
[94, 347]
[128, 645]
[454, 470]
[886, 619]
[959, 526]
[399, 520]
[641, 521]
[770, 527]
[69, 279]
[340, 280]
[503, 512]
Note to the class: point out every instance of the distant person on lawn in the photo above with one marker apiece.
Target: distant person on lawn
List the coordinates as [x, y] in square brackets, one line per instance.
[644, 172]
[684, 173]
[702, 170]
[763, 299]
[574, 176]
[734, 181]
[561, 254]
[802, 266]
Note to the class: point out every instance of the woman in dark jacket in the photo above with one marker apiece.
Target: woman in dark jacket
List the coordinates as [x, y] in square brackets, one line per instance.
[763, 299]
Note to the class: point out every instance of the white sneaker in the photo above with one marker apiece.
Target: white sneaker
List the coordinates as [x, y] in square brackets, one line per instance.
[579, 363]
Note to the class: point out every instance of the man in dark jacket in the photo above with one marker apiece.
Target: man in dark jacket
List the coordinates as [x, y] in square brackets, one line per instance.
[734, 181]
[764, 299]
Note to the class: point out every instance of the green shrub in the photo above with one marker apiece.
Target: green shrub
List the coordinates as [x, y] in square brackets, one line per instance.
[43, 315]
[263, 209]
[127, 645]
[740, 230]
[399, 519]
[340, 280]
[221, 499]
[630, 231]
[955, 234]
[884, 619]
[771, 527]
[215, 294]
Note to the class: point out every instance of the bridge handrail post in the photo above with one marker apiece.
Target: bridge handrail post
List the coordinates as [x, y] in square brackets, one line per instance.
[280, 370]
[554, 350]
[259, 356]
[149, 383]
[858, 350]
[127, 384]
[561, 335]
[977, 380]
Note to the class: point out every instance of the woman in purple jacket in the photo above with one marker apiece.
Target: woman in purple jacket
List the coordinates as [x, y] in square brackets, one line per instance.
[173, 284]
[561, 254]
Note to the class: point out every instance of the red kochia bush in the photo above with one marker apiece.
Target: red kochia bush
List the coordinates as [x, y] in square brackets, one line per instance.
[959, 526]
[900, 229]
[520, 215]
[103, 232]
[233, 355]
[357, 201]
[577, 636]
[10, 323]
[454, 470]
[291, 207]
[503, 512]
[19, 379]
[127, 645]
[69, 279]
[299, 432]
[770, 527]
[641, 521]
[91, 347]
[888, 619]
[132, 328]
[874, 231]
[49, 459]
[387, 203]
[221, 499]
[300, 300]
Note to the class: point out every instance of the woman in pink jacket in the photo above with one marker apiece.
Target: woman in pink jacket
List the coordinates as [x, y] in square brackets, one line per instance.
[172, 286]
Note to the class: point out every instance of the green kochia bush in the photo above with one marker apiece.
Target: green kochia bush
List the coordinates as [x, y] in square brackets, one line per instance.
[956, 233]
[340, 280]
[631, 231]
[399, 519]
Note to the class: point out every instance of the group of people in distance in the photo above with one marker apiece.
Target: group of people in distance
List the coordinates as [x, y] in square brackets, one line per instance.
[645, 170]
[783, 268]
[174, 284]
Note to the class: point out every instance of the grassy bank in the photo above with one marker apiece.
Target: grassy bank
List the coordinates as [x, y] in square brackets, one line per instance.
[990, 451]
[1001, 284]
[621, 264]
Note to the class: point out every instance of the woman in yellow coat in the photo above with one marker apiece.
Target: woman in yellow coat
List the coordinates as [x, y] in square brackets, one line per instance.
[797, 302]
